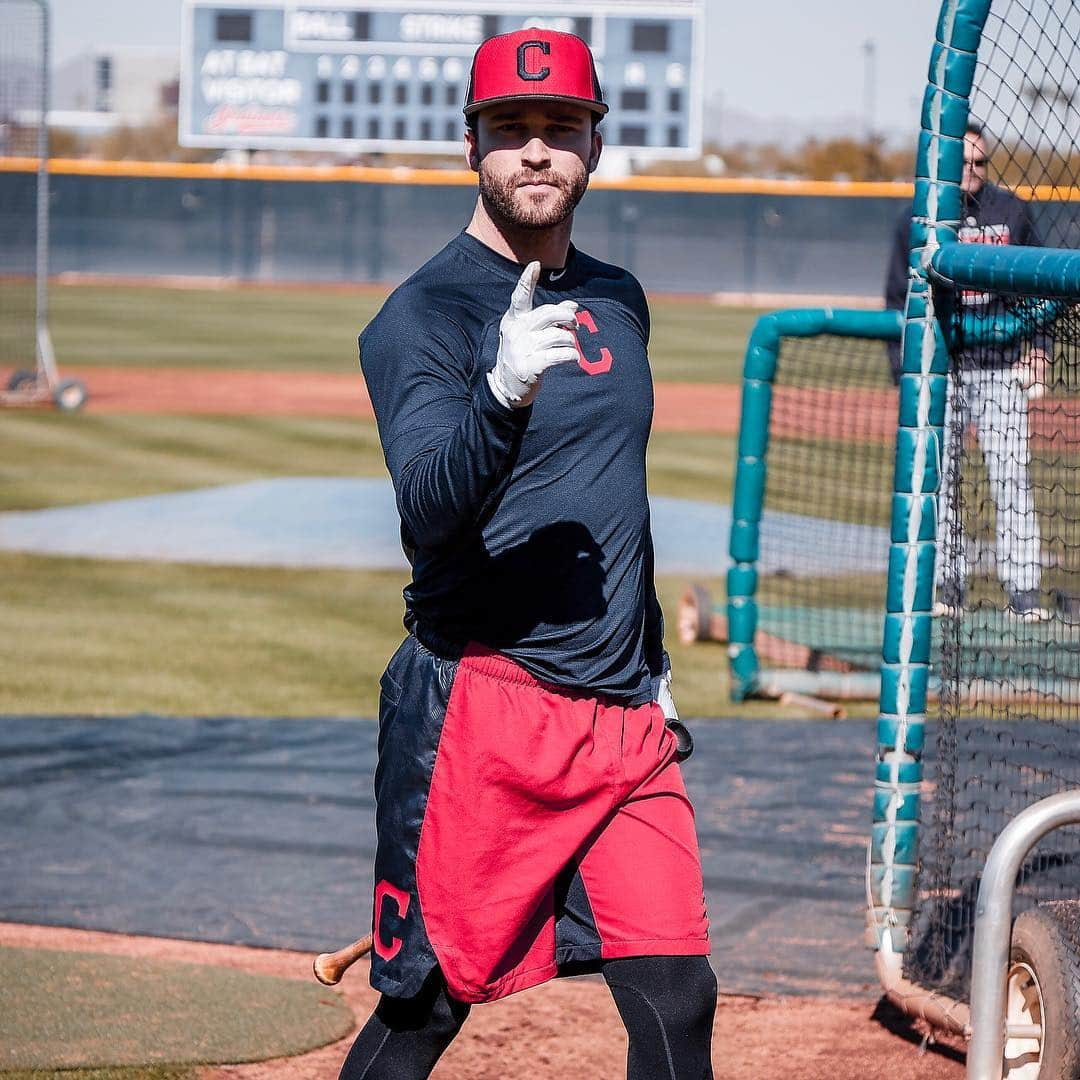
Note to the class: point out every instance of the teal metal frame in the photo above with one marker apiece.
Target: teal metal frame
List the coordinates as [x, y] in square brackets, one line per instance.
[751, 468]
[905, 676]
[936, 255]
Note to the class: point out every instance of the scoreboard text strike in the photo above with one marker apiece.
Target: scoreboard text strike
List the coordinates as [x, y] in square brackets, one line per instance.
[391, 76]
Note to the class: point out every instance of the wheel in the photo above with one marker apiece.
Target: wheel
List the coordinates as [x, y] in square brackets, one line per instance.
[695, 615]
[70, 395]
[1043, 994]
[22, 380]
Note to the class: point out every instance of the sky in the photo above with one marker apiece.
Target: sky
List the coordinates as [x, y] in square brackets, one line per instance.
[785, 59]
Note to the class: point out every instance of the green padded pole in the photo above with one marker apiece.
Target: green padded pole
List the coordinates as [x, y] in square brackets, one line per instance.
[905, 672]
[759, 367]
[1042, 271]
[751, 471]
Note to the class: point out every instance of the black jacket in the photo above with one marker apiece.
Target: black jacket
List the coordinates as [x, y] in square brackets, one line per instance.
[993, 216]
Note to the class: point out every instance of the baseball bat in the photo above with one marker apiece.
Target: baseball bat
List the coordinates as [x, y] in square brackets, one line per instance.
[329, 967]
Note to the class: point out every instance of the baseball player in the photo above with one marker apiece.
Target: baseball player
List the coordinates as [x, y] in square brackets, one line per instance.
[532, 818]
[994, 387]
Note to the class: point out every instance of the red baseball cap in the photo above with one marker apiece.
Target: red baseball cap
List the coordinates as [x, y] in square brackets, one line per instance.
[543, 64]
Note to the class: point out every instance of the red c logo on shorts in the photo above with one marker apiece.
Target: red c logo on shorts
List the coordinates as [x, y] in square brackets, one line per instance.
[385, 891]
[590, 367]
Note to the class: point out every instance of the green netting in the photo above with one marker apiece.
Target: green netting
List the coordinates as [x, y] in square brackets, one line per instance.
[825, 527]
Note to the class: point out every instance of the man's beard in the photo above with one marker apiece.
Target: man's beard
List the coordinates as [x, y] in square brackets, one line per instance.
[499, 196]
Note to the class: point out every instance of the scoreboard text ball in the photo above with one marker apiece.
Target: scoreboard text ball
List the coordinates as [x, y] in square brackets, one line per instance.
[391, 76]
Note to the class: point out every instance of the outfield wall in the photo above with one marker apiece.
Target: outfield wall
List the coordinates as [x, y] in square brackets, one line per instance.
[377, 225]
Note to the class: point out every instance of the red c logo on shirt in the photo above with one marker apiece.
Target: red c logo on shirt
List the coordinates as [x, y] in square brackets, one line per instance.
[591, 367]
[385, 891]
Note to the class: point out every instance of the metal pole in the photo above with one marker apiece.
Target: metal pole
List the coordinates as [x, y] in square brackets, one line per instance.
[42, 267]
[46, 364]
[993, 927]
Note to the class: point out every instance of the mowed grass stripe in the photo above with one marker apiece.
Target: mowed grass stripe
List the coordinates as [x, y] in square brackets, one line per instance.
[313, 329]
[97, 637]
[90, 637]
[48, 459]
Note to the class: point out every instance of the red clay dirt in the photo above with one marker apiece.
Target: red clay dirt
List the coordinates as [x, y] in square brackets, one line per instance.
[200, 392]
[858, 414]
[569, 1028]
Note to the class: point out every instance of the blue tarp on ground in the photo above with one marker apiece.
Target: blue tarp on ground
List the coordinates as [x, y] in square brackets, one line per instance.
[261, 832]
[353, 524]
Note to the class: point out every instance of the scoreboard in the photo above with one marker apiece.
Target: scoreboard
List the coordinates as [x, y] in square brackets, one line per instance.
[390, 75]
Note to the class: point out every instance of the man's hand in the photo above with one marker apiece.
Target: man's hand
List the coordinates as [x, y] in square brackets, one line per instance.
[1031, 373]
[661, 694]
[530, 341]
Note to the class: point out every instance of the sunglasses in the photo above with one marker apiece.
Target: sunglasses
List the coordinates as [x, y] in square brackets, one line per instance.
[977, 163]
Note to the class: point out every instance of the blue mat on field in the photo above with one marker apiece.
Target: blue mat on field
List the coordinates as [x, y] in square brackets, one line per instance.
[353, 524]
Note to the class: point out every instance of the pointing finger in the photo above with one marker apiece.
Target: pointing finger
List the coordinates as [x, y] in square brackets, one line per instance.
[522, 299]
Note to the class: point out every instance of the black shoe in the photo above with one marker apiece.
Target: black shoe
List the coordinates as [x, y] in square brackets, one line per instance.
[951, 598]
[1024, 604]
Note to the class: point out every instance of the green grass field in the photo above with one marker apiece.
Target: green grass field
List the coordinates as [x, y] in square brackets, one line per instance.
[106, 637]
[120, 637]
[316, 330]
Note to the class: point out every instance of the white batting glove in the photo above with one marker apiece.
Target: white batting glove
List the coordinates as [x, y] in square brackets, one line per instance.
[531, 340]
[661, 694]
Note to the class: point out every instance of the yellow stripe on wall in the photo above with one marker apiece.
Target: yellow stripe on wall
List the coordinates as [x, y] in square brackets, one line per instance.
[697, 185]
[442, 177]
[357, 174]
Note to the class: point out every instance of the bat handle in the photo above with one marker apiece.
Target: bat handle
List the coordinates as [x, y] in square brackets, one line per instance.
[329, 967]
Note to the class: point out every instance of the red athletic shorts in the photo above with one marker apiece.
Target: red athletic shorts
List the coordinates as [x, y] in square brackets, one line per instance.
[523, 828]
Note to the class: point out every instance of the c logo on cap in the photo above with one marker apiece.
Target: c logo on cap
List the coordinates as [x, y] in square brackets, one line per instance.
[523, 72]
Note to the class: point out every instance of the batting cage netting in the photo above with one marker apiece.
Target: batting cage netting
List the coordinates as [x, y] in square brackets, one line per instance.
[23, 102]
[821, 511]
[1008, 626]
[992, 344]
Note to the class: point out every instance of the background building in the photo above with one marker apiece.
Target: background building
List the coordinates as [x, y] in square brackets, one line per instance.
[113, 86]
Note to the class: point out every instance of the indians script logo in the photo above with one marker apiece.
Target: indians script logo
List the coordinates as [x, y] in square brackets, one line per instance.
[584, 319]
[523, 61]
[387, 893]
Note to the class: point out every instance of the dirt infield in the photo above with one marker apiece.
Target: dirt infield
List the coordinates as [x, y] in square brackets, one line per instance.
[856, 414]
[196, 392]
[570, 1028]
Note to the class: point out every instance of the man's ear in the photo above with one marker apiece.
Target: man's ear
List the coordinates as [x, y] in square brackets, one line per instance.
[472, 151]
[597, 146]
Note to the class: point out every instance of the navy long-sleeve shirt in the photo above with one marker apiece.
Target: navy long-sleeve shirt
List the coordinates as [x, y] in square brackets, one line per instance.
[527, 529]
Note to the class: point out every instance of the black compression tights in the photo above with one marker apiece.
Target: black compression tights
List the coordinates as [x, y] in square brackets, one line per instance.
[666, 1002]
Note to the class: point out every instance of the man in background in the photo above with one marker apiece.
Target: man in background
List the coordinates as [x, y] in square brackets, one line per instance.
[990, 391]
